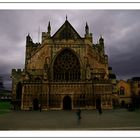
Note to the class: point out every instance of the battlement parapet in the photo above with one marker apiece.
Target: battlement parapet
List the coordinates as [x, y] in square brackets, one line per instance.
[17, 71]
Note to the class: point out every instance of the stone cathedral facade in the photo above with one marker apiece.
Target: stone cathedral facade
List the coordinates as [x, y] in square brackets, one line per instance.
[63, 72]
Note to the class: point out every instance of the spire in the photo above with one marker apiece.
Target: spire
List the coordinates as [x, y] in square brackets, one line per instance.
[29, 41]
[66, 17]
[101, 40]
[49, 28]
[86, 29]
[101, 37]
[87, 34]
[38, 34]
[28, 38]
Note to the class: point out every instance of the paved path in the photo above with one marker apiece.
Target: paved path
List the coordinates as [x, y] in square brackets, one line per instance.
[119, 119]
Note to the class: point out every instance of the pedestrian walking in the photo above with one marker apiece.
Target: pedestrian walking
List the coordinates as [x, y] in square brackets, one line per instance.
[99, 108]
[98, 105]
[79, 114]
[40, 107]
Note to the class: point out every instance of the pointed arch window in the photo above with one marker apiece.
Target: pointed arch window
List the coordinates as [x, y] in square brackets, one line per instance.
[122, 90]
[66, 67]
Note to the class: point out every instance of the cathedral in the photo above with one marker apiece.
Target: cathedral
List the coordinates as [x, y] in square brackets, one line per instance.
[63, 72]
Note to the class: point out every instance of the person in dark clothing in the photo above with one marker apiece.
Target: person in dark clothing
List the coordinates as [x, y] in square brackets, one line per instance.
[99, 109]
[79, 114]
[98, 105]
[40, 107]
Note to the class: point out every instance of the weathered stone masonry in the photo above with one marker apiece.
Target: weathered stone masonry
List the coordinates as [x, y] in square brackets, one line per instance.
[64, 71]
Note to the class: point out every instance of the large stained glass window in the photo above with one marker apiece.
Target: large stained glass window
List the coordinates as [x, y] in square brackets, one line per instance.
[66, 67]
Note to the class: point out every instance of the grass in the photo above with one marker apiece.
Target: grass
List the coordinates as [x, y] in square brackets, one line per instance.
[4, 107]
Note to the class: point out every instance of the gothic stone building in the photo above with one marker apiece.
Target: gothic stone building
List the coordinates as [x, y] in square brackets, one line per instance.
[64, 71]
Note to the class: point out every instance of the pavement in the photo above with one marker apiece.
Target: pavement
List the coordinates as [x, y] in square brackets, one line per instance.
[117, 119]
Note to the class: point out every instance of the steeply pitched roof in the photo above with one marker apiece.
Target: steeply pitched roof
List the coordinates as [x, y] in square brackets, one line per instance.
[66, 31]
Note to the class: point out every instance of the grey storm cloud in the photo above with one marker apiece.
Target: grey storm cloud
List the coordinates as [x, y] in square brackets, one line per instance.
[119, 28]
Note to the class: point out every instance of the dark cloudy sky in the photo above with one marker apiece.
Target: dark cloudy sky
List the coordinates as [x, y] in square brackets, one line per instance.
[120, 29]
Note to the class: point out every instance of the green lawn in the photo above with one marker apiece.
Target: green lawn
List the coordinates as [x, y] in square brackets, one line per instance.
[4, 107]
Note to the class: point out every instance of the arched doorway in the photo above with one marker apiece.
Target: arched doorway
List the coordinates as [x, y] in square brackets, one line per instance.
[67, 103]
[66, 66]
[17, 104]
[35, 104]
[19, 91]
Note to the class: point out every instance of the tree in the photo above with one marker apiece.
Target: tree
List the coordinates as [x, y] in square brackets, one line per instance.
[1, 83]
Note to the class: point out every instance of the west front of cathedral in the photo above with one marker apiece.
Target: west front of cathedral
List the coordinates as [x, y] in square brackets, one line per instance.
[63, 72]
